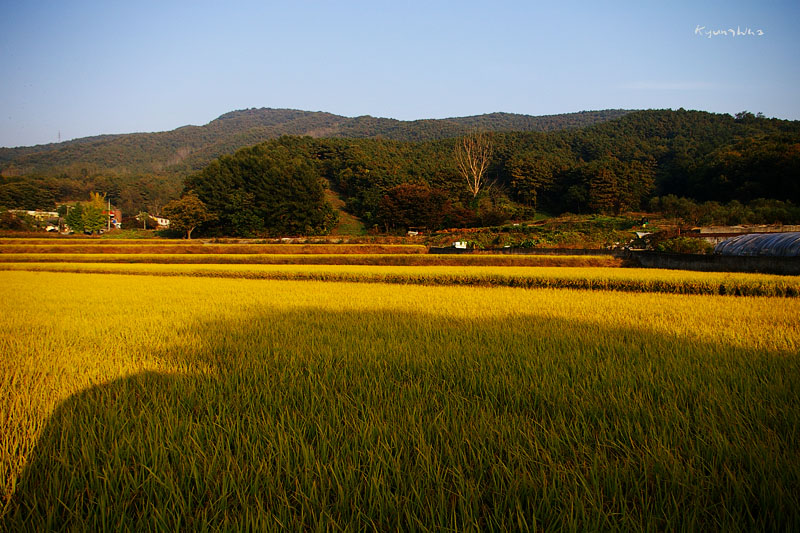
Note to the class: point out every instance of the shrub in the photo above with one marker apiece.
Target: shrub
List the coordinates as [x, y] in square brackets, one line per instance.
[685, 245]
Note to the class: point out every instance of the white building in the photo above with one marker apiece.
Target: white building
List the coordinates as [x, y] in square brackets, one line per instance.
[161, 221]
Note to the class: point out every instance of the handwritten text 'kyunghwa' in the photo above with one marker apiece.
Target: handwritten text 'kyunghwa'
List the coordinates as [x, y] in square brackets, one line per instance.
[729, 32]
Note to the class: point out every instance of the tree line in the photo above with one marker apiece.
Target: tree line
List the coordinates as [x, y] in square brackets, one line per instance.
[131, 194]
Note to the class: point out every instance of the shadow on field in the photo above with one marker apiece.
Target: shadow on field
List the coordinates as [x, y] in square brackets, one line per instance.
[385, 420]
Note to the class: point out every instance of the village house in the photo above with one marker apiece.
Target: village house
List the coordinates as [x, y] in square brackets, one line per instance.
[163, 223]
[38, 215]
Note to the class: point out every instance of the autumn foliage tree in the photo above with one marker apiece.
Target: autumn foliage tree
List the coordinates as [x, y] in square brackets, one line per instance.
[413, 205]
[94, 219]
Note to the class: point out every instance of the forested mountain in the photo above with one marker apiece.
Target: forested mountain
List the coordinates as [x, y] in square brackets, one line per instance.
[192, 147]
[606, 168]
[610, 166]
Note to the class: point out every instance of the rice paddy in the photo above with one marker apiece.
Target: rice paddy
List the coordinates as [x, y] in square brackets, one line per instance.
[258, 396]
[591, 278]
[171, 247]
[401, 259]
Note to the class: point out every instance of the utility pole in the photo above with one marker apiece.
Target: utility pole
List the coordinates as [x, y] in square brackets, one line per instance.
[109, 215]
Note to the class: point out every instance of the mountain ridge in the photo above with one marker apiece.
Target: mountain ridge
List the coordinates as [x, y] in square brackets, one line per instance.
[190, 147]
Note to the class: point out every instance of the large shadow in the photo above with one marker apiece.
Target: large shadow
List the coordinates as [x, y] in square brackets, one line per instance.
[390, 421]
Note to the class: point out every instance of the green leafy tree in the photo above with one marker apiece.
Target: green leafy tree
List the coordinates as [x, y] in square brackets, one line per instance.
[186, 213]
[74, 218]
[142, 217]
[604, 190]
[529, 175]
[272, 187]
[241, 215]
[94, 220]
[638, 182]
[614, 186]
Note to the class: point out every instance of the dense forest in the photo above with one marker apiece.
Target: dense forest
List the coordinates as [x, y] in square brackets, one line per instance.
[629, 163]
[643, 160]
[144, 171]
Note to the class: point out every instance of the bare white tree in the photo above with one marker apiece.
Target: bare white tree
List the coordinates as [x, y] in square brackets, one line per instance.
[472, 154]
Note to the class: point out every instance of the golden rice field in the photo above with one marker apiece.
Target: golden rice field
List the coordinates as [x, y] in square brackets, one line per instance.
[594, 278]
[442, 397]
[173, 247]
[192, 403]
[393, 259]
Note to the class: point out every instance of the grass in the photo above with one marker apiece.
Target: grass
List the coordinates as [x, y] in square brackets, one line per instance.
[588, 278]
[348, 224]
[194, 403]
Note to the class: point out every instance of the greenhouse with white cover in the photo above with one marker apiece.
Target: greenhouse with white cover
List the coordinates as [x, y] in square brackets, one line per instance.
[761, 245]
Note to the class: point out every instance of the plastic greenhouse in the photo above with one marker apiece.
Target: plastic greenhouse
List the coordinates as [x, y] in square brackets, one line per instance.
[761, 245]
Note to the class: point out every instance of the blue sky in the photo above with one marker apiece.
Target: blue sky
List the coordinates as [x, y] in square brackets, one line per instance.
[88, 68]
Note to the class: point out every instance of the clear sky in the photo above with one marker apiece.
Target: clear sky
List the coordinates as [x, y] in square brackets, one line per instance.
[87, 68]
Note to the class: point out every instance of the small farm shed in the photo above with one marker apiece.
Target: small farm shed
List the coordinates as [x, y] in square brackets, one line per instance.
[761, 245]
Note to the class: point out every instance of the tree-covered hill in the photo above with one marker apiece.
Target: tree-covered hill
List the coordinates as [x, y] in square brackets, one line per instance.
[624, 165]
[609, 166]
[192, 147]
